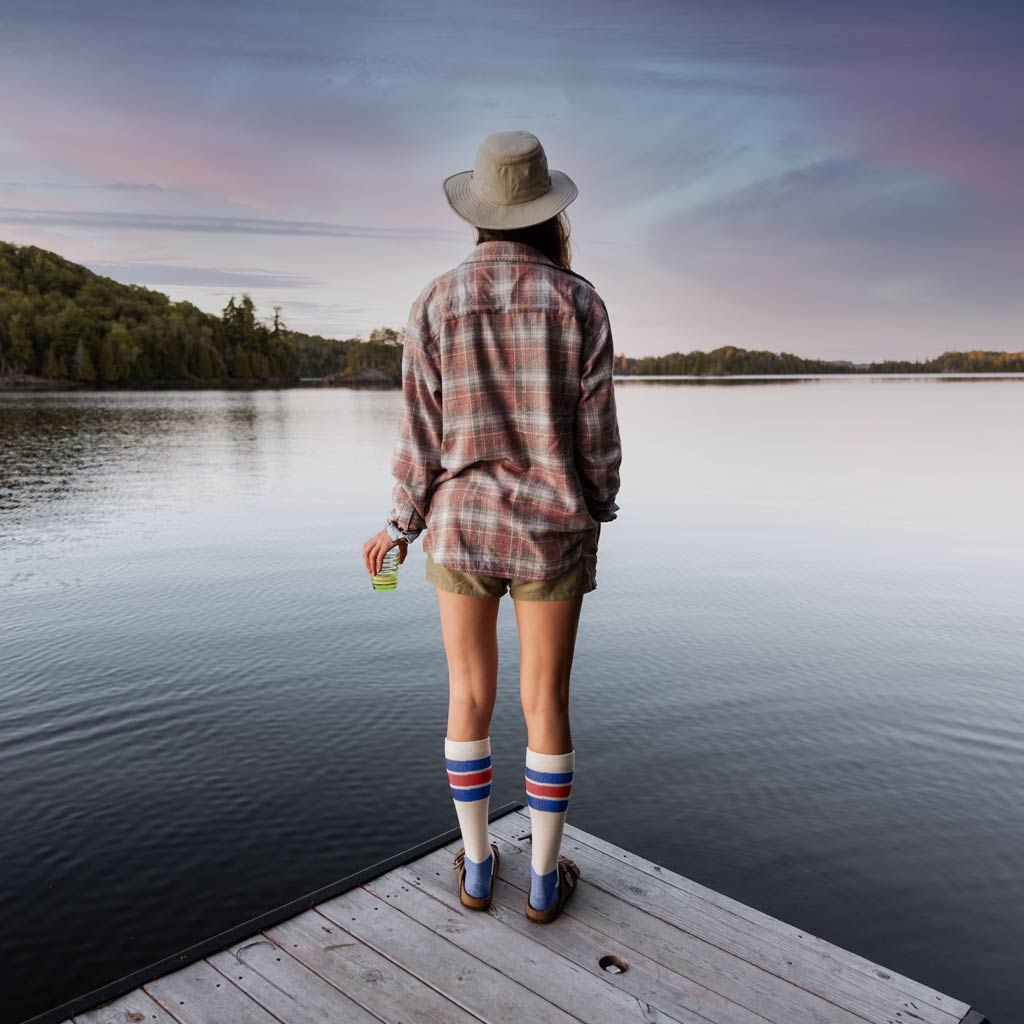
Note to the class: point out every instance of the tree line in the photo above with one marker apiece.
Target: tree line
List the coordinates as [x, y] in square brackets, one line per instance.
[62, 321]
[730, 360]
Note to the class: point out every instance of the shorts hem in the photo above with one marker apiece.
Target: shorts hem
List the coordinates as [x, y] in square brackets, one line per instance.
[441, 580]
[576, 592]
[484, 570]
[455, 588]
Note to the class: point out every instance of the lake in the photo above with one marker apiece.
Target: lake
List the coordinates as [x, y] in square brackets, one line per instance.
[799, 680]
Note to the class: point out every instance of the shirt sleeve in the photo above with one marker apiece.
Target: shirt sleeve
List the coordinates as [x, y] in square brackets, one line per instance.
[598, 445]
[416, 459]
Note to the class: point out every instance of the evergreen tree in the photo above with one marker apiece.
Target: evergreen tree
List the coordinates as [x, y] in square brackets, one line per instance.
[84, 368]
[204, 368]
[108, 361]
[19, 344]
[243, 369]
[53, 366]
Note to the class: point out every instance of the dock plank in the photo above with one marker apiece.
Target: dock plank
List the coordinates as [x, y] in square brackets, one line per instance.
[477, 987]
[285, 986]
[371, 979]
[131, 1008]
[200, 994]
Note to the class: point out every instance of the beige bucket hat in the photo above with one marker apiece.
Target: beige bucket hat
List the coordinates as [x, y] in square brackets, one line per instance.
[510, 185]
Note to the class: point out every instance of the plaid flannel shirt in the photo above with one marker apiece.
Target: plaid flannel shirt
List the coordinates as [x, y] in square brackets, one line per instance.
[508, 445]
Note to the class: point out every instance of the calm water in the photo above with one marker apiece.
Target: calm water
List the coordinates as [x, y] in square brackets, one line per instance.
[806, 651]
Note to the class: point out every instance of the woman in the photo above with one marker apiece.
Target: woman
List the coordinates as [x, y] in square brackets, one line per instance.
[508, 455]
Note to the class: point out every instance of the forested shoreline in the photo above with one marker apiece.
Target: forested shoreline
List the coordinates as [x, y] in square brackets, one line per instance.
[62, 322]
[64, 325]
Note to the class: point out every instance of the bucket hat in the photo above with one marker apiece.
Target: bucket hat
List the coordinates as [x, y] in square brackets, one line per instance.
[510, 185]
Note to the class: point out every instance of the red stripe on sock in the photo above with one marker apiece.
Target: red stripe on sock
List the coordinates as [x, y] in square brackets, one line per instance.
[470, 778]
[546, 789]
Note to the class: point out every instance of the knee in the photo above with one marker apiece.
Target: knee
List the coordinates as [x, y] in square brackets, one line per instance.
[472, 704]
[470, 708]
[551, 705]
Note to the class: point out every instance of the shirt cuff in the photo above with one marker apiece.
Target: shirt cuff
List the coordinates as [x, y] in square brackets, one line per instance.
[395, 533]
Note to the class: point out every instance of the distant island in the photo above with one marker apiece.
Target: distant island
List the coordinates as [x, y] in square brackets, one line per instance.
[62, 325]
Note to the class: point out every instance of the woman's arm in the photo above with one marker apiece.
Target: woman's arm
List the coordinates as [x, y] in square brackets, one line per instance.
[598, 447]
[416, 461]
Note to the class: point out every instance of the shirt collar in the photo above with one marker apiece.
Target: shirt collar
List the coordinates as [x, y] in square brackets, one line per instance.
[518, 252]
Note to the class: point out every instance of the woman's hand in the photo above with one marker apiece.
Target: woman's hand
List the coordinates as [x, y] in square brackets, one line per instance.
[377, 547]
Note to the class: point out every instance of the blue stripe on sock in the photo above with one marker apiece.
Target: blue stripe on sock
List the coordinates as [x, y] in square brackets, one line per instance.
[540, 804]
[558, 777]
[476, 793]
[475, 765]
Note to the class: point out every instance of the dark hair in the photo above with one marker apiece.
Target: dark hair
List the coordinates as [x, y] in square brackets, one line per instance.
[550, 236]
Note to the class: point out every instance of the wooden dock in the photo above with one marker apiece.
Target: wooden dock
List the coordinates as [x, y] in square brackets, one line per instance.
[636, 942]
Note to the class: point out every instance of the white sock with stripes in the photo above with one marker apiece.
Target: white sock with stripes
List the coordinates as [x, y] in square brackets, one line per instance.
[548, 785]
[469, 776]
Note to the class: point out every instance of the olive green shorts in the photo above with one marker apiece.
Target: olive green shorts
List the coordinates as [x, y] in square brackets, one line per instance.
[578, 579]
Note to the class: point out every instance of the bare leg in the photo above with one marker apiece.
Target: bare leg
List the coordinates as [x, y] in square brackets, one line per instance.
[547, 643]
[469, 626]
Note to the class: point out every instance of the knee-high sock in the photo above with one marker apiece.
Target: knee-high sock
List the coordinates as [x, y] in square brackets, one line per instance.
[548, 785]
[469, 775]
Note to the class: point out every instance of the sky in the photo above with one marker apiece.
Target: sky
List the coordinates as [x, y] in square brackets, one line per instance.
[833, 179]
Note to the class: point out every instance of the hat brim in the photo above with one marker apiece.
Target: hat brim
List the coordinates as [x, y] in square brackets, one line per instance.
[482, 214]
